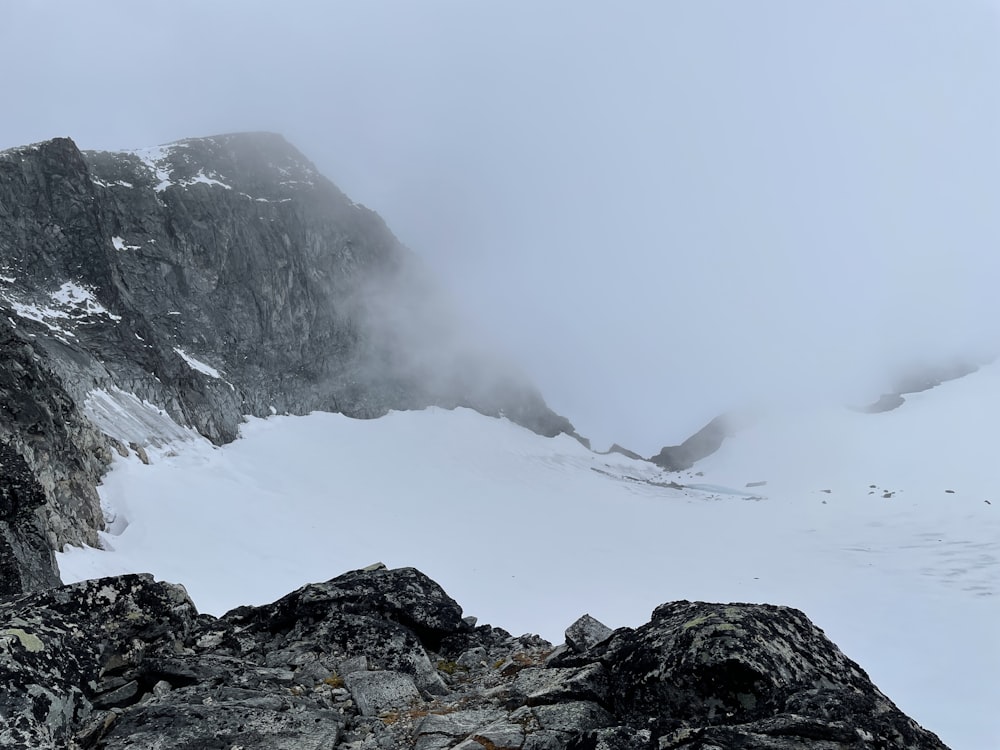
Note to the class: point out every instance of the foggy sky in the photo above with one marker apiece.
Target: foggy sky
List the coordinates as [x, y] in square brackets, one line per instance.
[659, 209]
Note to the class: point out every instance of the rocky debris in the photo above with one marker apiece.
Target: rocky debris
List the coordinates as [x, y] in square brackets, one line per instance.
[188, 285]
[382, 659]
[66, 650]
[737, 673]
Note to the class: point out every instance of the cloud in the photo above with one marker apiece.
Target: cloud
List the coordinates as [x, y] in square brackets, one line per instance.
[660, 210]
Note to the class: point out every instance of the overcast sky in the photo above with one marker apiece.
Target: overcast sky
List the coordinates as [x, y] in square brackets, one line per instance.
[660, 209]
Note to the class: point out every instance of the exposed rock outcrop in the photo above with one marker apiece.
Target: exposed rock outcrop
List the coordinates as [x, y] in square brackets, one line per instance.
[194, 283]
[51, 459]
[702, 444]
[919, 380]
[382, 659]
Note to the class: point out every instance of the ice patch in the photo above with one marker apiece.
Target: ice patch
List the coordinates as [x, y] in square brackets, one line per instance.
[43, 315]
[154, 159]
[202, 178]
[81, 300]
[198, 365]
[102, 183]
[127, 419]
[120, 244]
[72, 304]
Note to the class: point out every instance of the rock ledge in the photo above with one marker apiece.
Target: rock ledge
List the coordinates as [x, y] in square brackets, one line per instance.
[383, 659]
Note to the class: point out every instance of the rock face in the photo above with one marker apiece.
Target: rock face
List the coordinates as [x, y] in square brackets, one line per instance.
[189, 285]
[382, 659]
[51, 459]
[703, 443]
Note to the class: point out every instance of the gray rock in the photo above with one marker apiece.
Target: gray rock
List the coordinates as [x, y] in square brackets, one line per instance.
[763, 667]
[572, 717]
[586, 632]
[58, 647]
[551, 685]
[224, 725]
[614, 738]
[702, 444]
[376, 692]
[126, 663]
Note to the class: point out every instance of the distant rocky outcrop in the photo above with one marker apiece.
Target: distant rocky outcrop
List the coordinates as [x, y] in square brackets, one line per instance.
[384, 660]
[919, 380]
[147, 292]
[702, 444]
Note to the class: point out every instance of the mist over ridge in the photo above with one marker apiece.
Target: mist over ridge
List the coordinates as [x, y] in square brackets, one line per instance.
[660, 212]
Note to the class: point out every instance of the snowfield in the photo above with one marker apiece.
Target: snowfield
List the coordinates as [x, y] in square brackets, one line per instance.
[883, 528]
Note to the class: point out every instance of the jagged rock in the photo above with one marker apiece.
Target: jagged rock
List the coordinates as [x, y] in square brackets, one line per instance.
[535, 686]
[614, 738]
[51, 460]
[586, 633]
[62, 649]
[755, 669]
[25, 556]
[126, 663]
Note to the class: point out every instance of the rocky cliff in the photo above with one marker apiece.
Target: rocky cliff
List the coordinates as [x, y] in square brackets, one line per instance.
[202, 280]
[384, 660]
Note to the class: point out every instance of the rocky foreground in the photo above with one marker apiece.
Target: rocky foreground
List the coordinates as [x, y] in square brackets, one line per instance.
[384, 659]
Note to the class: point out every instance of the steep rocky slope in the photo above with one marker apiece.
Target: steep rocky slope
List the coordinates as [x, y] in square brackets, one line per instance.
[383, 659]
[205, 280]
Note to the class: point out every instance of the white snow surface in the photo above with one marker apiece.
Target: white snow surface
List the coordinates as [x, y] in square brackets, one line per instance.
[81, 301]
[529, 533]
[120, 245]
[198, 365]
[71, 304]
[155, 158]
[128, 419]
[206, 180]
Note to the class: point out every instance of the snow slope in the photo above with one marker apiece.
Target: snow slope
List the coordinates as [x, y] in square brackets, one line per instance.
[855, 525]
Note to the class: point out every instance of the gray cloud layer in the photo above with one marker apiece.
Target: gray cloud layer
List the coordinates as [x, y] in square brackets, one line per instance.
[660, 210]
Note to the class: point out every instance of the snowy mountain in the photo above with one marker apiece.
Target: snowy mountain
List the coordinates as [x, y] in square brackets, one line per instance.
[198, 328]
[212, 277]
